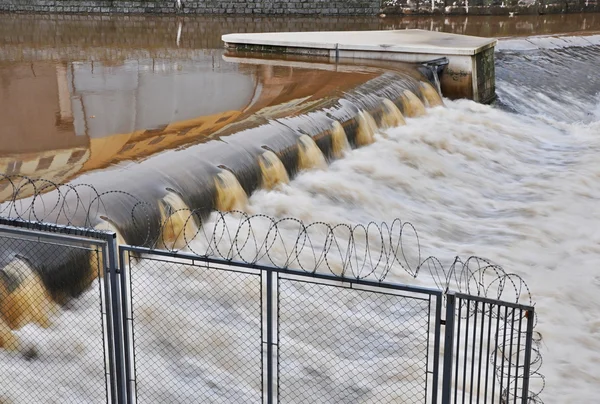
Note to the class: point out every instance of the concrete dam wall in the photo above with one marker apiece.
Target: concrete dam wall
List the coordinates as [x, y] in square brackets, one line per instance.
[302, 7]
[488, 7]
[260, 7]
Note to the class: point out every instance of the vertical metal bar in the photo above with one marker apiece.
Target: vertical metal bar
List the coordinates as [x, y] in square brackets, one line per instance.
[473, 361]
[436, 349]
[487, 356]
[480, 351]
[527, 360]
[466, 351]
[457, 351]
[125, 305]
[269, 275]
[510, 354]
[427, 356]
[262, 340]
[116, 319]
[518, 355]
[503, 353]
[109, 322]
[448, 347]
[278, 302]
[496, 353]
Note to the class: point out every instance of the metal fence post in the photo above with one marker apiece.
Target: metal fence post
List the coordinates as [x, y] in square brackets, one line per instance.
[269, 275]
[127, 343]
[436, 347]
[117, 328]
[527, 360]
[448, 347]
[106, 260]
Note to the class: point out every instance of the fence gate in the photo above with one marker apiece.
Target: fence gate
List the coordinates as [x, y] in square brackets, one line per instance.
[56, 323]
[193, 328]
[487, 355]
[355, 341]
[202, 330]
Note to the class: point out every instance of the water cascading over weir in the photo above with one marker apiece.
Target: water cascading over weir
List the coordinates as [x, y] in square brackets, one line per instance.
[154, 186]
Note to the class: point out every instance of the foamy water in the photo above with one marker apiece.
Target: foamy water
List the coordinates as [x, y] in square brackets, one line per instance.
[474, 179]
[519, 188]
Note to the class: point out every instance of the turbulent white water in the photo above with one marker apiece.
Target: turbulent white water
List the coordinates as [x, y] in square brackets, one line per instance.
[519, 187]
[519, 190]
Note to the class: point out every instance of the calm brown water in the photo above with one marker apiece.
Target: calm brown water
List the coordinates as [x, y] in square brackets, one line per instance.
[150, 61]
[77, 33]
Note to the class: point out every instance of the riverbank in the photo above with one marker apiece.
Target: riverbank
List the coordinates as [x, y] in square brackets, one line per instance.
[237, 7]
[489, 7]
[73, 33]
[302, 7]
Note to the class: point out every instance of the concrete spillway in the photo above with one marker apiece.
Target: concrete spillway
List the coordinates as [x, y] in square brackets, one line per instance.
[293, 110]
[299, 118]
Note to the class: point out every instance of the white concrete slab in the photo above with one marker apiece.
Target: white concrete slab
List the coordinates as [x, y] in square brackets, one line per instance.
[398, 41]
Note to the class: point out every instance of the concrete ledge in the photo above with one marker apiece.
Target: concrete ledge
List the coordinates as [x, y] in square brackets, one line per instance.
[483, 7]
[470, 72]
[187, 7]
[399, 41]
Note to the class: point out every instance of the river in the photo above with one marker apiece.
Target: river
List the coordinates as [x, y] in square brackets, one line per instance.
[513, 182]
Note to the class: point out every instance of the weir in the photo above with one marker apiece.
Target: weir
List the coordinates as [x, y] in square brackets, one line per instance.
[266, 145]
[155, 186]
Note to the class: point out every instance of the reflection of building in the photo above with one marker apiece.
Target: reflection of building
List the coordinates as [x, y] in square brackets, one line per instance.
[30, 113]
[37, 136]
[62, 120]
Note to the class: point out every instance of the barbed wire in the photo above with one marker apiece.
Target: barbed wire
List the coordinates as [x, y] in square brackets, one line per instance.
[360, 251]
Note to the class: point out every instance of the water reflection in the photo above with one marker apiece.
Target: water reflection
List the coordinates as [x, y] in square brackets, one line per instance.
[293, 116]
[79, 93]
[76, 37]
[89, 115]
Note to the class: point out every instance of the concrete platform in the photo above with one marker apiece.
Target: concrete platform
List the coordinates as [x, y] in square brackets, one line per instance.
[470, 72]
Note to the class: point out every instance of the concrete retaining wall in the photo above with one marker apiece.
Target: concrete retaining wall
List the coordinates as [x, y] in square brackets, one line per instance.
[489, 7]
[261, 7]
[302, 7]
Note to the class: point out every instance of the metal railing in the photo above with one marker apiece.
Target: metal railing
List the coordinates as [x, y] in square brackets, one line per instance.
[488, 346]
[139, 325]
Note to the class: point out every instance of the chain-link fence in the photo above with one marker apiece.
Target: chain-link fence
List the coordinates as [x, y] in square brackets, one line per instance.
[82, 323]
[196, 330]
[225, 332]
[343, 345]
[55, 326]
